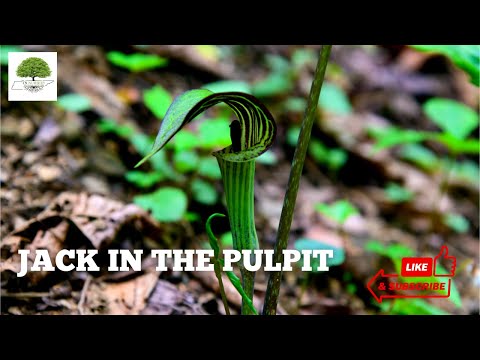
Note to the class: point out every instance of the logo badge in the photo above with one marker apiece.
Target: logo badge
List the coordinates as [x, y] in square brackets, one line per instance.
[32, 76]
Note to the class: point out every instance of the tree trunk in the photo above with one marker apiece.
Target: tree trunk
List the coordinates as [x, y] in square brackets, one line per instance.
[33, 78]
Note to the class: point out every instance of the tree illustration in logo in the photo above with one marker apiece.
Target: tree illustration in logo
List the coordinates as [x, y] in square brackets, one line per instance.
[33, 67]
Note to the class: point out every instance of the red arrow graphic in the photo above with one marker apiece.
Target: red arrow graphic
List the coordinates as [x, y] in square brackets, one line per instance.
[379, 297]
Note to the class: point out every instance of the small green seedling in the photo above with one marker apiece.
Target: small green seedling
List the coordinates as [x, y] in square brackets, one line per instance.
[167, 204]
[456, 222]
[333, 99]
[397, 194]
[136, 62]
[74, 102]
[338, 211]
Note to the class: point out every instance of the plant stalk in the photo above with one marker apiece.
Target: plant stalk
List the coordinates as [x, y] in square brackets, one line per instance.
[274, 281]
[238, 183]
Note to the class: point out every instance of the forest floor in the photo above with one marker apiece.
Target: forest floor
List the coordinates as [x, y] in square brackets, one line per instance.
[64, 184]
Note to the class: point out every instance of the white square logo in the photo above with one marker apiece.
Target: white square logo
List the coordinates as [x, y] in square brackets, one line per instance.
[32, 76]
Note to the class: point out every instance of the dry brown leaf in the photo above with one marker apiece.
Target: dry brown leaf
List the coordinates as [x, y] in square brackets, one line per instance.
[125, 298]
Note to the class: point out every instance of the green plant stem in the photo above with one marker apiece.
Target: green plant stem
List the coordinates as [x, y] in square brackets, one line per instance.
[273, 289]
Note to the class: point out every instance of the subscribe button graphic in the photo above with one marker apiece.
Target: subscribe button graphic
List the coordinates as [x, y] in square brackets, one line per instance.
[420, 277]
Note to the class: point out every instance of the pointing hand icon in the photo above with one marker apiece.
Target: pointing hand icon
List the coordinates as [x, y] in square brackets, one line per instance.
[449, 261]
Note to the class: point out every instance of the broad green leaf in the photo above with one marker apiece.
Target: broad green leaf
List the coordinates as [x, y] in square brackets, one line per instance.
[411, 307]
[452, 117]
[466, 57]
[166, 204]
[333, 99]
[204, 192]
[456, 222]
[229, 85]
[312, 244]
[397, 193]
[74, 102]
[136, 62]
[144, 179]
[273, 85]
[267, 158]
[419, 155]
[339, 211]
[5, 49]
[157, 100]
[209, 167]
[391, 136]
[186, 161]
[257, 126]
[457, 146]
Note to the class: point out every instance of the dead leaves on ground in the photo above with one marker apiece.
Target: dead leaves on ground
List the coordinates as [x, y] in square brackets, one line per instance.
[81, 220]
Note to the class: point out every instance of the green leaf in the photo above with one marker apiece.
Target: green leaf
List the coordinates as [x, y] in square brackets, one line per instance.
[5, 49]
[273, 85]
[229, 85]
[166, 204]
[339, 211]
[295, 104]
[411, 307]
[333, 99]
[466, 170]
[337, 158]
[292, 135]
[136, 62]
[157, 100]
[313, 244]
[456, 222]
[144, 179]
[251, 113]
[204, 192]
[111, 126]
[209, 167]
[302, 57]
[397, 193]
[74, 102]
[267, 158]
[277, 64]
[419, 155]
[466, 57]
[318, 151]
[456, 146]
[186, 161]
[392, 251]
[454, 118]
[391, 136]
